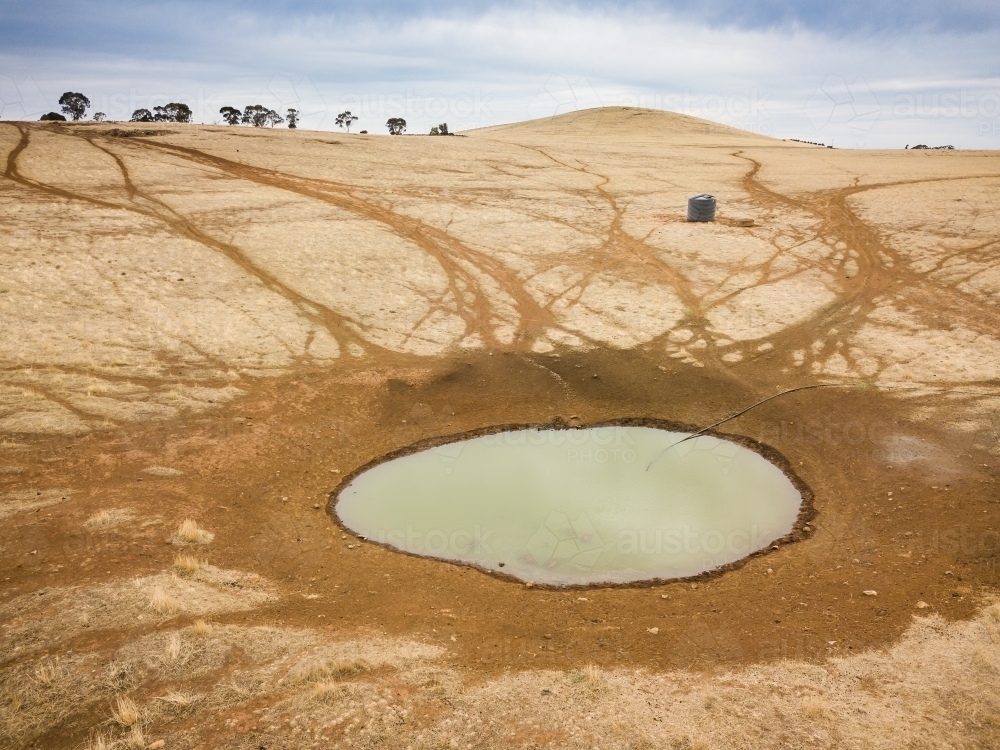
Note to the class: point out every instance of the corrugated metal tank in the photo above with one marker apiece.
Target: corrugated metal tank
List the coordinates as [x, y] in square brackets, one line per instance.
[701, 208]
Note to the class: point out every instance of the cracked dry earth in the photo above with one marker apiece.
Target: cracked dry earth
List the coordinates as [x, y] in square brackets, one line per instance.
[217, 324]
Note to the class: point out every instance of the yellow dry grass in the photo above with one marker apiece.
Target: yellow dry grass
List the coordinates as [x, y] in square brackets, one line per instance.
[930, 686]
[174, 647]
[814, 707]
[106, 519]
[163, 471]
[135, 738]
[936, 686]
[190, 533]
[568, 184]
[327, 669]
[328, 691]
[164, 603]
[47, 673]
[100, 741]
[186, 564]
[125, 712]
[589, 674]
[22, 501]
[122, 603]
[178, 699]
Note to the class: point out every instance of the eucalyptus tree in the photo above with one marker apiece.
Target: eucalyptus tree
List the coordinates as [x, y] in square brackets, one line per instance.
[260, 116]
[173, 112]
[345, 120]
[74, 105]
[231, 115]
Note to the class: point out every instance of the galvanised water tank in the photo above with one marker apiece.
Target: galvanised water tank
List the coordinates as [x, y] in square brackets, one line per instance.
[701, 208]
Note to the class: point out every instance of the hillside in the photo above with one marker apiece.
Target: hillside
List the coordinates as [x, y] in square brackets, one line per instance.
[219, 324]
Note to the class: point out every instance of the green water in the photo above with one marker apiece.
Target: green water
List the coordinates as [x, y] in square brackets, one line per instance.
[576, 506]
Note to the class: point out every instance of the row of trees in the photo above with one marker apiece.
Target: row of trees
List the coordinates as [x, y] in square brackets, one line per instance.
[261, 117]
[258, 116]
[74, 105]
[396, 125]
[173, 112]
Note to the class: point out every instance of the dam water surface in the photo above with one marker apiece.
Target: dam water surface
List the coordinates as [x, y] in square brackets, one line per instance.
[615, 504]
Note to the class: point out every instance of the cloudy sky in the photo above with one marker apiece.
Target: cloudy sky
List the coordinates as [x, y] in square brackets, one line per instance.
[855, 73]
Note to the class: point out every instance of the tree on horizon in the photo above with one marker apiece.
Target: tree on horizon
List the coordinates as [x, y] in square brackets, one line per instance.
[173, 112]
[396, 125]
[293, 118]
[231, 115]
[260, 116]
[74, 105]
[345, 120]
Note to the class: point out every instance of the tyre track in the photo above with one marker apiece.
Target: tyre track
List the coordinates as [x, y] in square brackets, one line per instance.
[876, 279]
[342, 328]
[461, 264]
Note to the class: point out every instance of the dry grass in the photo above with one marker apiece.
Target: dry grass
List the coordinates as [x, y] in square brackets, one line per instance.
[106, 519]
[121, 675]
[935, 687]
[177, 699]
[187, 564]
[121, 603]
[15, 702]
[589, 675]
[162, 471]
[932, 688]
[100, 741]
[327, 692]
[21, 501]
[35, 695]
[190, 533]
[201, 627]
[163, 603]
[815, 708]
[329, 669]
[47, 673]
[239, 689]
[174, 647]
[125, 712]
[613, 311]
[135, 739]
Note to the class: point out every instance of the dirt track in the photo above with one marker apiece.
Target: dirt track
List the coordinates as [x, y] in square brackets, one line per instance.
[261, 313]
